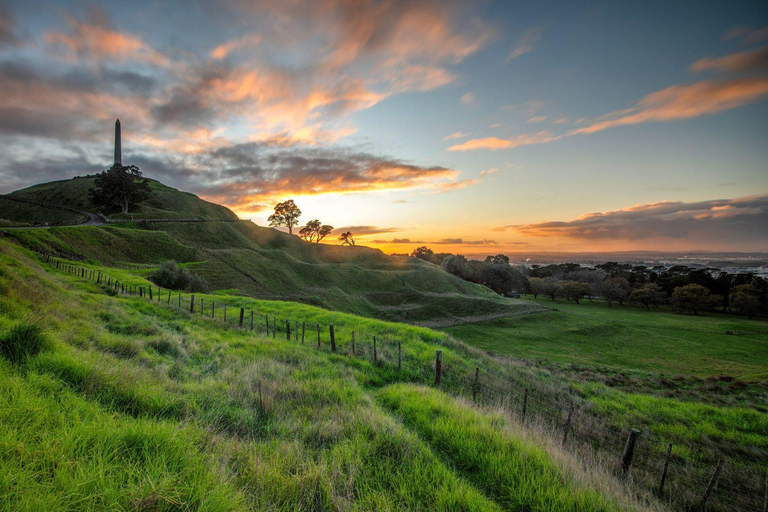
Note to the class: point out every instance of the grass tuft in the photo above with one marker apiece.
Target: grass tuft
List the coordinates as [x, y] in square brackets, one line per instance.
[21, 342]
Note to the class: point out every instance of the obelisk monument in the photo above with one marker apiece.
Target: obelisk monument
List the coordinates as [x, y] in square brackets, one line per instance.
[118, 148]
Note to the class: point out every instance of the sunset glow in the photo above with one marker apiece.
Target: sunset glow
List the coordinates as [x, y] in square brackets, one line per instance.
[471, 127]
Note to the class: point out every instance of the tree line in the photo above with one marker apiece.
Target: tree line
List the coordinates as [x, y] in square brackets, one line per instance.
[686, 289]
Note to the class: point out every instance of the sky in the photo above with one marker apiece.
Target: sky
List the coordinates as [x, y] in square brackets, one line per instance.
[473, 127]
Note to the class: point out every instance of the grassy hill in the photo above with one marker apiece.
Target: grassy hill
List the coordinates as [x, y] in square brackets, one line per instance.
[266, 263]
[167, 202]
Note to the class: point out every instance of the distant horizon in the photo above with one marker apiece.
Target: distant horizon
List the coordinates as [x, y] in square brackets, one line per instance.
[473, 126]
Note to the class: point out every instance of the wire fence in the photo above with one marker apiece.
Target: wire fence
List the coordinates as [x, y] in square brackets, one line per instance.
[707, 478]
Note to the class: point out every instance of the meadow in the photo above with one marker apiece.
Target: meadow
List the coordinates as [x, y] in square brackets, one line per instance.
[260, 422]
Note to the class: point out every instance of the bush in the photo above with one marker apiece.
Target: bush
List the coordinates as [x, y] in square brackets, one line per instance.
[21, 342]
[171, 276]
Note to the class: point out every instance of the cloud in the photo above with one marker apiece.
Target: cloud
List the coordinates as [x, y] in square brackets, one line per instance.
[537, 119]
[684, 102]
[527, 40]
[397, 241]
[493, 143]
[747, 34]
[737, 62]
[7, 23]
[488, 172]
[740, 222]
[94, 39]
[366, 230]
[444, 241]
[245, 42]
[456, 135]
[467, 99]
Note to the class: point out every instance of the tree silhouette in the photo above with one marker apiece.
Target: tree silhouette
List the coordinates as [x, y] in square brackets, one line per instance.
[119, 186]
[286, 214]
[347, 238]
[315, 231]
[424, 253]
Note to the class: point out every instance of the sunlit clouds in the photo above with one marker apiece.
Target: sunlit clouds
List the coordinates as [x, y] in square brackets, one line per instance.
[398, 119]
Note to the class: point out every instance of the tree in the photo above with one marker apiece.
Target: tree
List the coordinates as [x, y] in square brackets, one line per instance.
[456, 264]
[347, 238]
[499, 259]
[746, 299]
[649, 294]
[286, 214]
[423, 253]
[120, 186]
[551, 287]
[690, 298]
[315, 231]
[614, 289]
[573, 290]
[538, 286]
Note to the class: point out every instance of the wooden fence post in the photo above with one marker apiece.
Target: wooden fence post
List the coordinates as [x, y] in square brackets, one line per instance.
[353, 342]
[567, 426]
[399, 356]
[629, 450]
[333, 338]
[274, 327]
[525, 405]
[150, 292]
[288, 330]
[225, 312]
[318, 335]
[375, 351]
[476, 384]
[711, 484]
[660, 491]
[242, 314]
[179, 301]
[251, 320]
[303, 327]
[438, 367]
[98, 279]
[192, 304]
[266, 321]
[213, 310]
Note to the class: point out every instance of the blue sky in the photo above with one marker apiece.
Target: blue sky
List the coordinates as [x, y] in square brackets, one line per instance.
[478, 127]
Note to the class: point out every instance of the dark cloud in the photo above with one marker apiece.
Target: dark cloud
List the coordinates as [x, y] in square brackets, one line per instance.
[741, 222]
[7, 23]
[461, 241]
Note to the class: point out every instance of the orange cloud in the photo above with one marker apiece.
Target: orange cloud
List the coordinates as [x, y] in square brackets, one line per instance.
[684, 102]
[493, 143]
[743, 61]
[740, 222]
[247, 41]
[96, 40]
[525, 43]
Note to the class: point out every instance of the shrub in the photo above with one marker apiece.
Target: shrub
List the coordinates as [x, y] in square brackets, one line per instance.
[171, 276]
[21, 342]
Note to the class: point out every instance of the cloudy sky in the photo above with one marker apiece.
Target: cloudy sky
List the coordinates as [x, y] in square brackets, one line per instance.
[473, 127]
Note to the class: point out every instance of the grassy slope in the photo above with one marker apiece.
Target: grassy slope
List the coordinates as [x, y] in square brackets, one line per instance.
[137, 405]
[265, 263]
[166, 203]
[27, 214]
[626, 337]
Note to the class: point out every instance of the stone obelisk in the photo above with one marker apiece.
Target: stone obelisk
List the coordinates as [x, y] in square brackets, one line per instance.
[118, 147]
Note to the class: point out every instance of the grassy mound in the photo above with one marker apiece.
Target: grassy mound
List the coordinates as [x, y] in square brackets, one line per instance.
[167, 202]
[22, 342]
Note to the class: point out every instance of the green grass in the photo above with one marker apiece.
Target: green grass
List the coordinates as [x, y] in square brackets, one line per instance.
[265, 263]
[629, 338]
[138, 405]
[167, 202]
[13, 213]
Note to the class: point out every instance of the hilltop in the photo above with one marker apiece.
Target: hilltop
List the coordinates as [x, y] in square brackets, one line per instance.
[261, 262]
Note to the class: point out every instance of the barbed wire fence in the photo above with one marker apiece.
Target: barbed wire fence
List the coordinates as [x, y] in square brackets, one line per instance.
[706, 479]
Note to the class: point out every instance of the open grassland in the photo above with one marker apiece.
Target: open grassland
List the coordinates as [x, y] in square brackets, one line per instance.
[265, 263]
[312, 429]
[629, 338]
[131, 404]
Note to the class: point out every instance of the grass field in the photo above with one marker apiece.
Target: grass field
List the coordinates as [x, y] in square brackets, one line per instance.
[629, 338]
[138, 405]
[15, 213]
